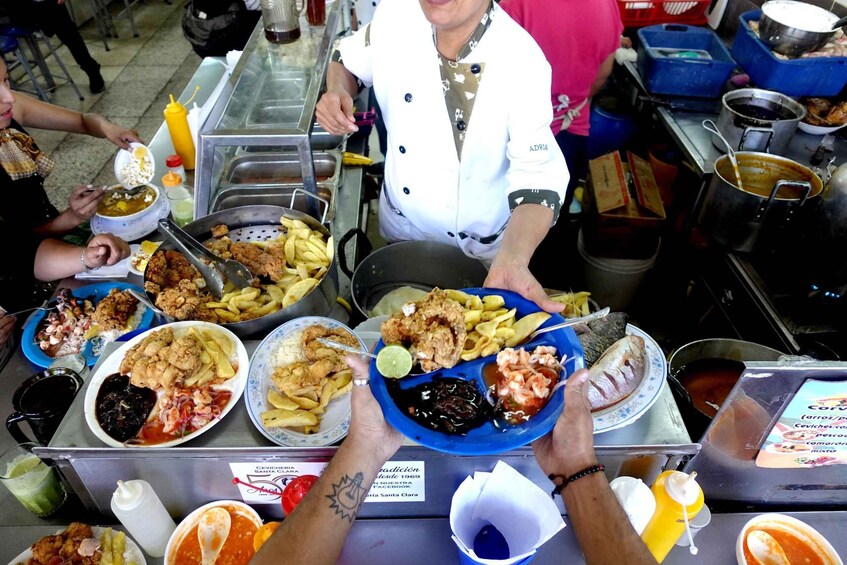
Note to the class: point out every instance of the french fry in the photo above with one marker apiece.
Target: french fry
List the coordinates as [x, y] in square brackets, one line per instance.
[342, 378]
[459, 296]
[106, 548]
[526, 326]
[297, 291]
[288, 418]
[226, 344]
[275, 292]
[326, 393]
[305, 403]
[226, 315]
[118, 548]
[290, 249]
[342, 391]
[278, 400]
[216, 305]
[330, 249]
[493, 302]
[308, 430]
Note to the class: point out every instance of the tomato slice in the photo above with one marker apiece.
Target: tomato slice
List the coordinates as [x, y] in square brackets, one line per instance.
[295, 491]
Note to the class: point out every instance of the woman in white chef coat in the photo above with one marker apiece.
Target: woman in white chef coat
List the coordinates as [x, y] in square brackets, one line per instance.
[471, 159]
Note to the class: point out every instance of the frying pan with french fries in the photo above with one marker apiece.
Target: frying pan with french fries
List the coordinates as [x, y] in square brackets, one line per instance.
[310, 285]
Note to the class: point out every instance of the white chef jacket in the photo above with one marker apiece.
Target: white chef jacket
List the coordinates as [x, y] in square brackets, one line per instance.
[509, 149]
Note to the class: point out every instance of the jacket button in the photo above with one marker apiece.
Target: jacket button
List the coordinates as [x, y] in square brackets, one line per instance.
[475, 69]
[408, 97]
[460, 125]
[402, 149]
[450, 234]
[406, 190]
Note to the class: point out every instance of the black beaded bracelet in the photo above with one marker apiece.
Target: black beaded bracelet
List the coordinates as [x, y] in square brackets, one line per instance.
[567, 480]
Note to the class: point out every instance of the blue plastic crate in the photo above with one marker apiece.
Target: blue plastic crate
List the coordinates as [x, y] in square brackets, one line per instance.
[817, 76]
[665, 68]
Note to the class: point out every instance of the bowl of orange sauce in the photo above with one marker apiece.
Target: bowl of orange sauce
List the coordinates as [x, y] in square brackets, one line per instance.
[800, 542]
[184, 545]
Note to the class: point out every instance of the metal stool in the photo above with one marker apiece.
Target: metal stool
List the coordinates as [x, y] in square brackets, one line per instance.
[10, 45]
[31, 38]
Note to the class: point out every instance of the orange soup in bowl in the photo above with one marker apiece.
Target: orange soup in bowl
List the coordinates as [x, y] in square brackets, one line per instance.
[237, 549]
[798, 548]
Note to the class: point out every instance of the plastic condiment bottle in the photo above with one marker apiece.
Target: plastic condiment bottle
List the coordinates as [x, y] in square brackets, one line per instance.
[174, 164]
[176, 117]
[143, 515]
[678, 499]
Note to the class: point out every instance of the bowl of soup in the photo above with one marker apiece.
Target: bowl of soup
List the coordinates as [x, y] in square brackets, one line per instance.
[184, 544]
[800, 542]
[120, 204]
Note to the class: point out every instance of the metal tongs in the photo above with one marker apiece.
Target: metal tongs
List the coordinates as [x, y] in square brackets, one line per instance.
[215, 270]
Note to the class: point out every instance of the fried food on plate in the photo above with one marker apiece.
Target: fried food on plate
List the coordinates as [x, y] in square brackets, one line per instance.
[115, 310]
[433, 329]
[617, 373]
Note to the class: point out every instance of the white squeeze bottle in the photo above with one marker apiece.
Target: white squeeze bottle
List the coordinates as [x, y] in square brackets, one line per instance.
[143, 515]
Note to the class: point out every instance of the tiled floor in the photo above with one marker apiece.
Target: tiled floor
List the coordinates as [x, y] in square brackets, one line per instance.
[140, 72]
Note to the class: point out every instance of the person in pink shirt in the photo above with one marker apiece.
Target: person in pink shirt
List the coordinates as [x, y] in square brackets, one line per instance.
[579, 39]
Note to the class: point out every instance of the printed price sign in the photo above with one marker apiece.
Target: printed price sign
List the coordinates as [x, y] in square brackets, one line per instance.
[263, 483]
[812, 430]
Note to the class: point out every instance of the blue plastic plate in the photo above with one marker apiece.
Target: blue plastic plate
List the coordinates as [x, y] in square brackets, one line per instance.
[94, 292]
[487, 439]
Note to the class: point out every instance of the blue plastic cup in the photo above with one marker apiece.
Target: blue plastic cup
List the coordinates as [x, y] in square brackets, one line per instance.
[465, 560]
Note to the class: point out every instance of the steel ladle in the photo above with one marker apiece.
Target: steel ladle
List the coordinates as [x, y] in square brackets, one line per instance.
[215, 270]
[712, 127]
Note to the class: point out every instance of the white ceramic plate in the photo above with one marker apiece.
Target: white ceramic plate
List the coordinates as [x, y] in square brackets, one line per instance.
[819, 130]
[133, 250]
[134, 228]
[111, 365]
[188, 523]
[334, 423]
[123, 157]
[636, 404]
[131, 553]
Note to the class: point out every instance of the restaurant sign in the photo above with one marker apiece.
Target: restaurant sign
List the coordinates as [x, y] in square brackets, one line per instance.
[812, 430]
[262, 483]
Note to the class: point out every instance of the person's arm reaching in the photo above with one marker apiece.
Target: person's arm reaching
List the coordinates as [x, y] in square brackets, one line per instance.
[35, 113]
[334, 111]
[82, 205]
[316, 530]
[602, 74]
[56, 259]
[600, 524]
[527, 226]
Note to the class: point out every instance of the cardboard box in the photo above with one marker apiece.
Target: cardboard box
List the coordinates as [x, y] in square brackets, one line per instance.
[625, 211]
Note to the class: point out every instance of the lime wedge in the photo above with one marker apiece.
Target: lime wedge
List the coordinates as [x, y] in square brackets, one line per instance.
[394, 361]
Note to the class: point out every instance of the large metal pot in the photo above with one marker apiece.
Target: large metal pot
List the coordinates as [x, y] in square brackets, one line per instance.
[709, 384]
[752, 119]
[775, 191]
[418, 264]
[257, 223]
[792, 28]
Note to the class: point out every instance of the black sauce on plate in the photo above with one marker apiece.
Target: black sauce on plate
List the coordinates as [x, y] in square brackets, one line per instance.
[122, 408]
[448, 405]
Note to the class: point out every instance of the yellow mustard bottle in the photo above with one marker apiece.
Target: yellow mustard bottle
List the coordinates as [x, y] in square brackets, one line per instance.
[674, 491]
[176, 116]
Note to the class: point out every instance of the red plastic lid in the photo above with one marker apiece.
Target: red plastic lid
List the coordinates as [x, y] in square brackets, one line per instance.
[173, 161]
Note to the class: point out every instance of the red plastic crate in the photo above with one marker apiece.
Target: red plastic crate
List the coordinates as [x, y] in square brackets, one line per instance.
[636, 13]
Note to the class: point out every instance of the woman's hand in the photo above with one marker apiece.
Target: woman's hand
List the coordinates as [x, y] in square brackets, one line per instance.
[334, 112]
[515, 276]
[105, 249]
[367, 424]
[569, 448]
[7, 327]
[83, 202]
[119, 135]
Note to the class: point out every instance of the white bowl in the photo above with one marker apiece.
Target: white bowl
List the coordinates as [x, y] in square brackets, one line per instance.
[123, 157]
[819, 130]
[817, 542]
[141, 213]
[192, 519]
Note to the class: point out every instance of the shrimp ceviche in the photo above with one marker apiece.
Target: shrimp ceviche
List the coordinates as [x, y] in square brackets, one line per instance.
[525, 381]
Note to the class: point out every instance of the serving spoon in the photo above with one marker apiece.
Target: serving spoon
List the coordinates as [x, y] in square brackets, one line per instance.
[711, 126]
[212, 532]
[765, 549]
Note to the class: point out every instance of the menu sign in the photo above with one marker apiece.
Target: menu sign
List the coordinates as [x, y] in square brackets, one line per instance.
[262, 483]
[812, 430]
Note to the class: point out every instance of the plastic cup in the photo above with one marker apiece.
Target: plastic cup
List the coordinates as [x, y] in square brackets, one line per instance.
[73, 361]
[182, 205]
[31, 481]
[464, 559]
[700, 521]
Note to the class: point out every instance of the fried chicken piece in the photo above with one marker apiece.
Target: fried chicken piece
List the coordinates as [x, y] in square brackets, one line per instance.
[434, 332]
[258, 261]
[316, 351]
[147, 347]
[115, 310]
[168, 268]
[220, 230]
[297, 378]
[64, 545]
[181, 302]
[220, 247]
[838, 114]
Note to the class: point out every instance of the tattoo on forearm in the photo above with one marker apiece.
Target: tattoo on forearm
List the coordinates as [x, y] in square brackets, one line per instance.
[347, 495]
